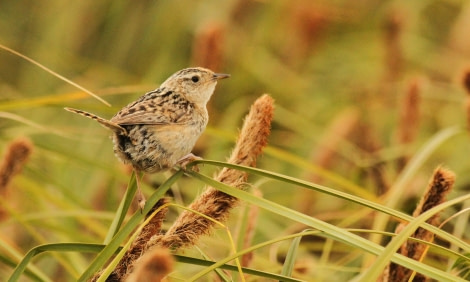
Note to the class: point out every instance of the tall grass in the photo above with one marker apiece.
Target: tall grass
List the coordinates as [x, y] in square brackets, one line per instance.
[370, 98]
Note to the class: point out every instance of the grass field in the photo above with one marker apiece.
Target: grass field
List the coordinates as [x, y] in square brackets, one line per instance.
[369, 130]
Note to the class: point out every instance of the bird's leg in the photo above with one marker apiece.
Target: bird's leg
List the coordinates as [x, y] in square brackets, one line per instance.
[184, 161]
[140, 195]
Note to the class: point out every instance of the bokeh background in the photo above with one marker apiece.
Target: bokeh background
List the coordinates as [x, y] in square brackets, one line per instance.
[341, 73]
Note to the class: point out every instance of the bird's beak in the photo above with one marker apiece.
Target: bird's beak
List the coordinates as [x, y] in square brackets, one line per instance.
[218, 76]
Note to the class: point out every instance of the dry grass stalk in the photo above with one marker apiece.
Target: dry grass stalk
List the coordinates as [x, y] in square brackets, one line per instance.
[16, 156]
[368, 141]
[309, 21]
[250, 230]
[242, 10]
[339, 129]
[438, 188]
[393, 51]
[466, 81]
[252, 139]
[208, 46]
[154, 266]
[467, 110]
[139, 246]
[458, 39]
[409, 117]
[466, 85]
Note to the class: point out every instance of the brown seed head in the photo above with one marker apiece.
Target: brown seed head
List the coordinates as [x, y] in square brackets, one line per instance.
[153, 266]
[208, 46]
[438, 188]
[17, 154]
[393, 29]
[466, 81]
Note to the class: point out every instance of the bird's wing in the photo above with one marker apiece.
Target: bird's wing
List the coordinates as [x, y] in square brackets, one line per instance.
[156, 108]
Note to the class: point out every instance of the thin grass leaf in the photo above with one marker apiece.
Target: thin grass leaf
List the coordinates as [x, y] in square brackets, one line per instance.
[34, 187]
[59, 247]
[38, 236]
[223, 261]
[291, 256]
[268, 275]
[61, 99]
[112, 265]
[219, 272]
[13, 253]
[55, 74]
[33, 124]
[101, 259]
[440, 249]
[75, 214]
[34, 275]
[263, 274]
[463, 266]
[122, 209]
[460, 227]
[335, 193]
[41, 101]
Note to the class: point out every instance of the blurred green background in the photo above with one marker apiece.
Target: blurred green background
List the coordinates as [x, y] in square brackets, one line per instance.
[322, 61]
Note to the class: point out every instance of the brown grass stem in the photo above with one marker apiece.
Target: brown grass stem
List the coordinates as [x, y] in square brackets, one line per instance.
[408, 123]
[208, 49]
[339, 130]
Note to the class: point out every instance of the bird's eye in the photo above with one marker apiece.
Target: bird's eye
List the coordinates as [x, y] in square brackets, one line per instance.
[195, 78]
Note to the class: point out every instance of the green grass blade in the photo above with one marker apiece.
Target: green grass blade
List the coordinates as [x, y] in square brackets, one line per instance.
[263, 274]
[30, 271]
[59, 247]
[463, 266]
[112, 265]
[291, 256]
[122, 209]
[11, 253]
[219, 272]
[221, 262]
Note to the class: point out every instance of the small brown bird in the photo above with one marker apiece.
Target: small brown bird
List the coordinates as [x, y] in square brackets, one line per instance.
[159, 130]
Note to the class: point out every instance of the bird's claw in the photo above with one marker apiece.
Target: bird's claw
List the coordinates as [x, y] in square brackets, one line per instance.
[186, 160]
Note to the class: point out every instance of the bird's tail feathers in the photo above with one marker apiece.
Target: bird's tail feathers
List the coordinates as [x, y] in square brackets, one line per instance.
[104, 122]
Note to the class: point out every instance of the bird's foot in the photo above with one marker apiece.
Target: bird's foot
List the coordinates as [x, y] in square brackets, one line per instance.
[140, 196]
[141, 202]
[189, 158]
